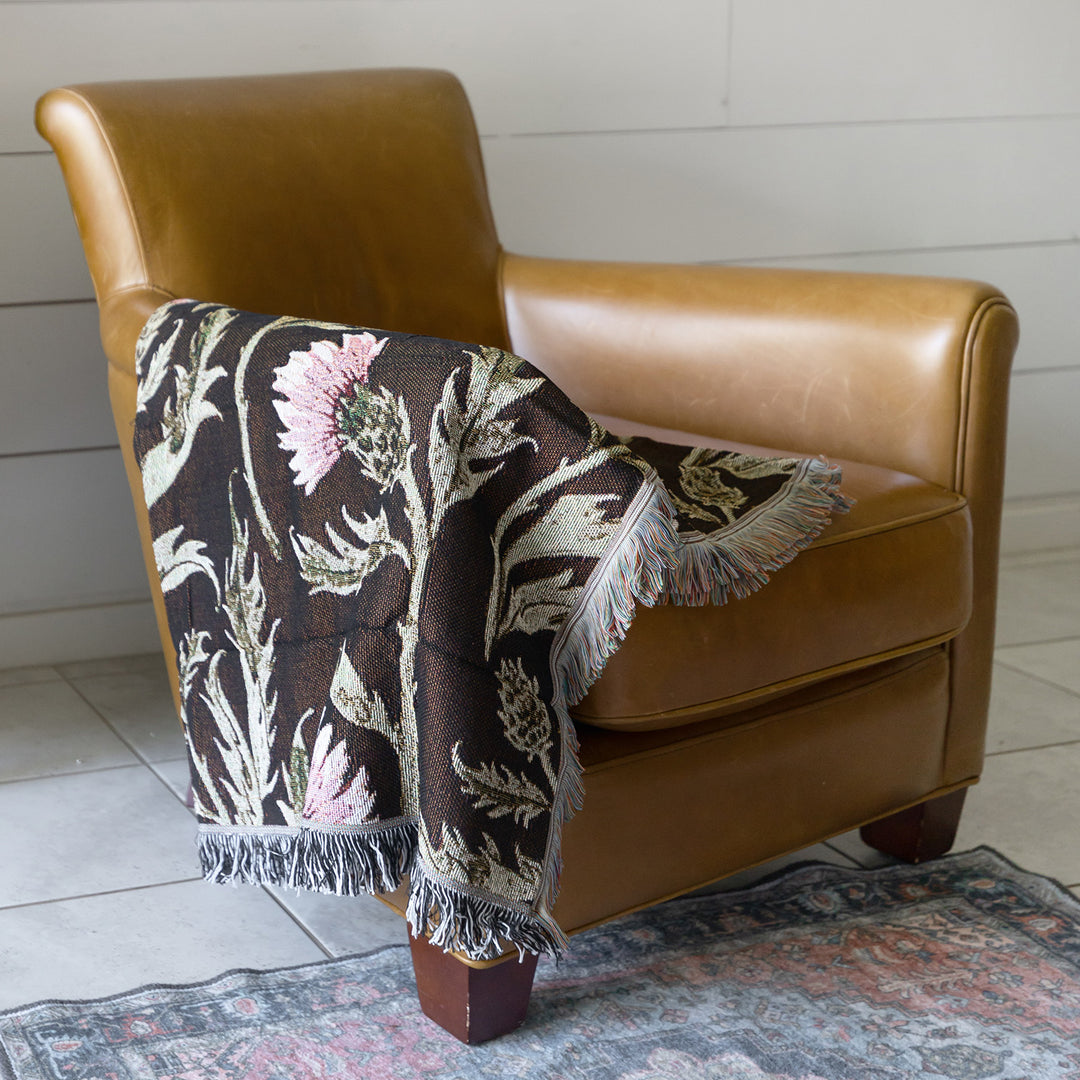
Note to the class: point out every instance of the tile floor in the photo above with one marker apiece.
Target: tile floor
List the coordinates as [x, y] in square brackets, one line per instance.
[98, 887]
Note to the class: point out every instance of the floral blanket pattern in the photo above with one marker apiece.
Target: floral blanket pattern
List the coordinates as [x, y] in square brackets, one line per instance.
[391, 564]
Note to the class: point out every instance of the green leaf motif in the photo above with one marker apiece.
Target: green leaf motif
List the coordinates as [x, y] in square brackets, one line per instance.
[572, 527]
[485, 868]
[499, 790]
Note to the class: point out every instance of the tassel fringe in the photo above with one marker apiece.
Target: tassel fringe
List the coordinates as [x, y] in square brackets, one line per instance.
[343, 863]
[456, 921]
[635, 570]
[738, 560]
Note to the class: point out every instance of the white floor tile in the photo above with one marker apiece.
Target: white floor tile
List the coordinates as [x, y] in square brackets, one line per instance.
[1038, 602]
[345, 924]
[1026, 712]
[20, 675]
[139, 705]
[73, 835]
[1057, 662]
[46, 729]
[177, 774]
[1027, 805]
[100, 945]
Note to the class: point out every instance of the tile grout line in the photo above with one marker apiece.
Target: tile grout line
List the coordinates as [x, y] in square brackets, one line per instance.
[1026, 749]
[1038, 678]
[296, 919]
[90, 896]
[179, 798]
[1064, 639]
[75, 772]
[134, 749]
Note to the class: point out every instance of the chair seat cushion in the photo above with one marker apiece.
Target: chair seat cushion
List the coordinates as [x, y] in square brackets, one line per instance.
[891, 577]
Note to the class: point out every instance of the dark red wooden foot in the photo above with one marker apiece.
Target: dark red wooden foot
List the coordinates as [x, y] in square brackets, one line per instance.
[473, 1004]
[919, 832]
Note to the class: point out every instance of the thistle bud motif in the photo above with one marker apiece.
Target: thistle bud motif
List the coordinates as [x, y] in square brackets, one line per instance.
[525, 717]
[374, 427]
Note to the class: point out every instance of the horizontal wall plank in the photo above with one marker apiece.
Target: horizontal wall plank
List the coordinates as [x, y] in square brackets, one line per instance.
[563, 65]
[764, 192]
[1042, 281]
[1044, 437]
[55, 395]
[40, 254]
[90, 633]
[67, 533]
[840, 60]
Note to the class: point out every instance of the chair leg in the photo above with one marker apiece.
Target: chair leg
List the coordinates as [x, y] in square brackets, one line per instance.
[920, 832]
[473, 1004]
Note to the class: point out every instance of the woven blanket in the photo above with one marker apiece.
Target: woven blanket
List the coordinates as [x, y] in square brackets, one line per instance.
[391, 564]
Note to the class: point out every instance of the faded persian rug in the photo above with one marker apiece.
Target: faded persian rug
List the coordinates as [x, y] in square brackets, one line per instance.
[391, 564]
[965, 968]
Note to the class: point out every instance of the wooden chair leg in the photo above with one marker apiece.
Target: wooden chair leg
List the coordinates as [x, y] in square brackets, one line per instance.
[473, 1004]
[920, 832]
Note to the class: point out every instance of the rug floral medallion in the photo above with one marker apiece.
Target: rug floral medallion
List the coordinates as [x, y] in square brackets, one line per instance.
[965, 968]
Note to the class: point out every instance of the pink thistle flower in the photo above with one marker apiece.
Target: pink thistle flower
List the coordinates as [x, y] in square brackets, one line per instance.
[328, 800]
[314, 384]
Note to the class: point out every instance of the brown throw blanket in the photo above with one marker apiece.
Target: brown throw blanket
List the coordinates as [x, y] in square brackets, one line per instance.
[391, 565]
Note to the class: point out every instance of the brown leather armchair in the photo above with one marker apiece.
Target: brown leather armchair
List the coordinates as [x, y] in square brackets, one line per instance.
[852, 691]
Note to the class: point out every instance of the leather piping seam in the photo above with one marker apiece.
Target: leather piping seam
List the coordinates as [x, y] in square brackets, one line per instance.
[892, 525]
[772, 689]
[967, 374]
[730, 732]
[132, 219]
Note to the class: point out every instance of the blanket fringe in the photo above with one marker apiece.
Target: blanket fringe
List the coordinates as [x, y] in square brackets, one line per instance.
[636, 571]
[344, 863]
[481, 929]
[738, 561]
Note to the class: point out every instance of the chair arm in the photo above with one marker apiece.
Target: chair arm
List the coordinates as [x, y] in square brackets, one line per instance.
[872, 368]
[907, 373]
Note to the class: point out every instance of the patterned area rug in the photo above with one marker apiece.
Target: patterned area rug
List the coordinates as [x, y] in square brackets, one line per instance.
[967, 968]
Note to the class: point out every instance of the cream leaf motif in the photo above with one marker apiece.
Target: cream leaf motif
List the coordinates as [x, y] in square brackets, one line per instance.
[468, 445]
[184, 413]
[177, 562]
[344, 569]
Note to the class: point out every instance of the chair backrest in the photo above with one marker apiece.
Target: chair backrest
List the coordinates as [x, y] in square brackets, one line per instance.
[356, 196]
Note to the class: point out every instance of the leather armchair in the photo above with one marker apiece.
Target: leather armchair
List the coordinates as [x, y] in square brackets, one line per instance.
[852, 691]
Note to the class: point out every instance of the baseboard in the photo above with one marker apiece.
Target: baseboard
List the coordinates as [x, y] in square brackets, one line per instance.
[1040, 524]
[83, 633]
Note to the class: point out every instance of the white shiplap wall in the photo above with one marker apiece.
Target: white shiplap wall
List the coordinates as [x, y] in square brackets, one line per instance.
[937, 136]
